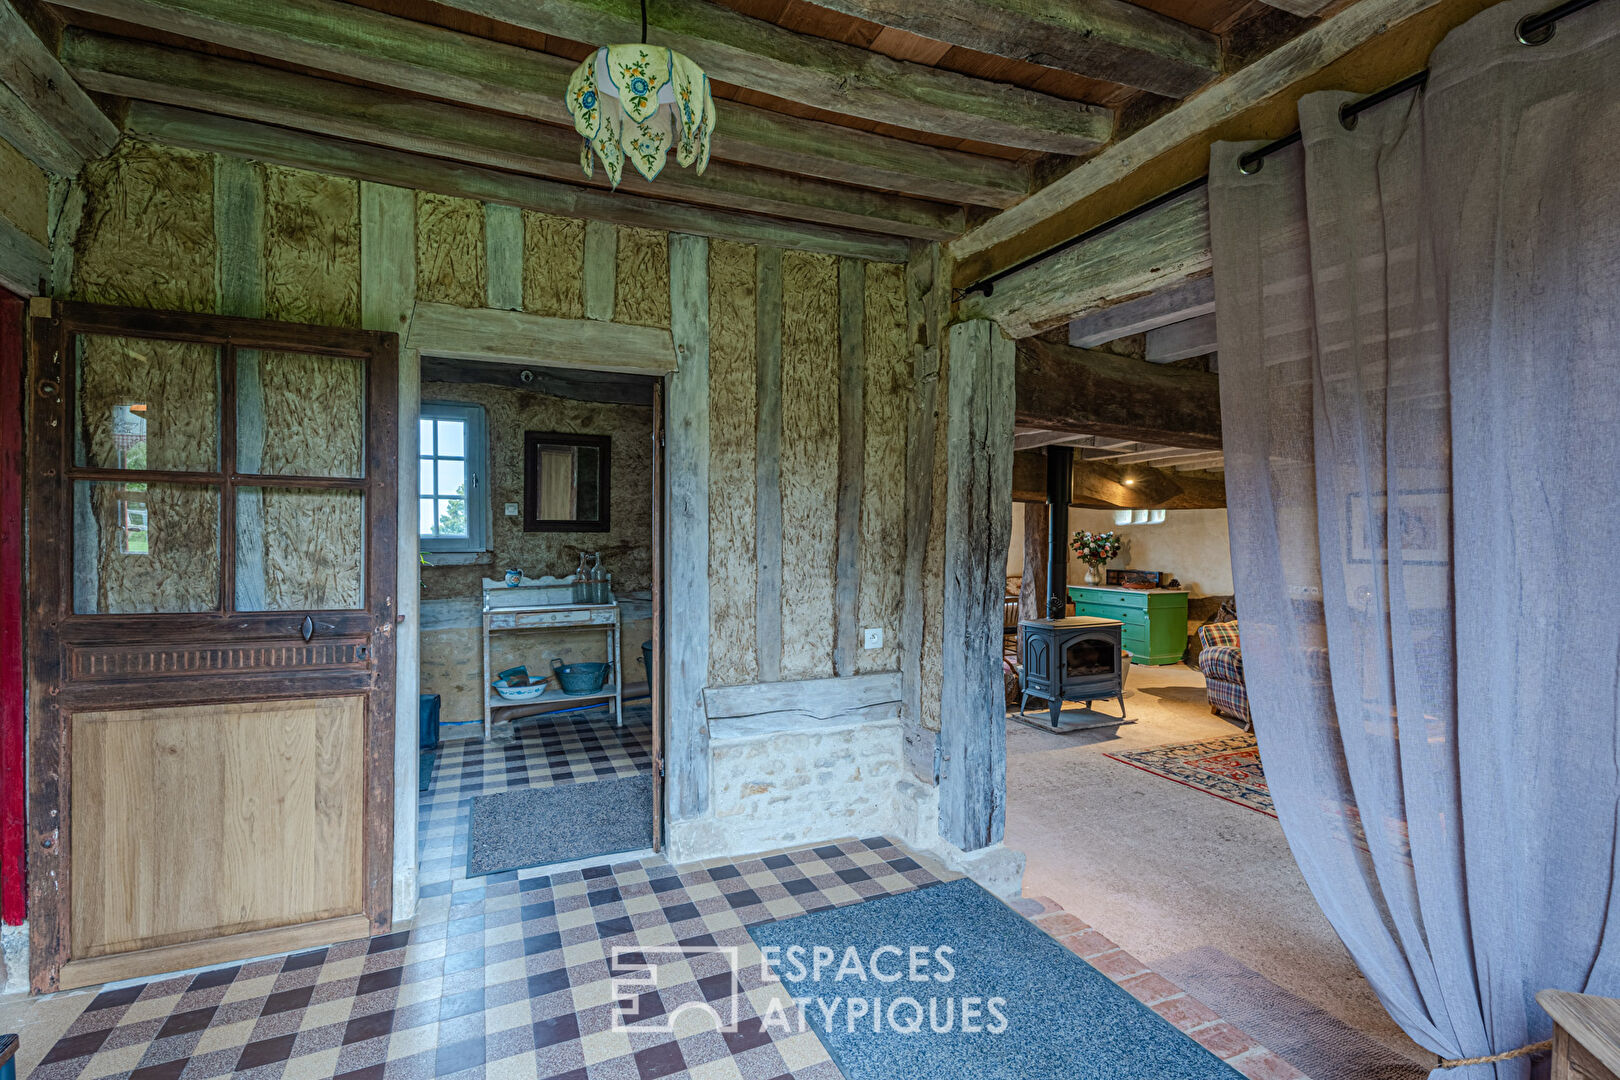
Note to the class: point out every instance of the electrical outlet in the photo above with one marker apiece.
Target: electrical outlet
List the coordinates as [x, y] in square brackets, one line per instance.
[872, 637]
[511, 509]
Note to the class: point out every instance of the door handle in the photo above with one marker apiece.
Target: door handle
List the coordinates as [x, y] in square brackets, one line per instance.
[308, 628]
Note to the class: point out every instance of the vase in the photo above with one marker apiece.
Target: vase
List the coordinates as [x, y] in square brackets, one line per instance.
[1093, 575]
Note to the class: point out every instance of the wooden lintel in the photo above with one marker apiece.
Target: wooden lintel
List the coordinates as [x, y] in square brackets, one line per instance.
[1143, 313]
[1101, 39]
[357, 42]
[193, 80]
[449, 332]
[772, 59]
[1061, 388]
[1105, 486]
[1362, 48]
[610, 387]
[263, 142]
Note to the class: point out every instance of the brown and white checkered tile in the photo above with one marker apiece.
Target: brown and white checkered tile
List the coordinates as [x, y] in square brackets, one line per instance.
[512, 975]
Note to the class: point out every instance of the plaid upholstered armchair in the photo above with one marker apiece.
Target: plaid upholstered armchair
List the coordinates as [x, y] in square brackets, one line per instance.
[1220, 658]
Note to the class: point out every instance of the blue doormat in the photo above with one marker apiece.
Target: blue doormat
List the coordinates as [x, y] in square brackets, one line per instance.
[425, 774]
[1059, 1017]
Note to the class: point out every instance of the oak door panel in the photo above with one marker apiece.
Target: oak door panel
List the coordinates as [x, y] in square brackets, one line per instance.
[209, 820]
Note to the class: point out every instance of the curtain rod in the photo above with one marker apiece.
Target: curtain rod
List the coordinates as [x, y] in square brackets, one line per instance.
[1531, 30]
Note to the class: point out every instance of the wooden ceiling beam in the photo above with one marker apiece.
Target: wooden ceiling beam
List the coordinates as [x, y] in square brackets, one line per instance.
[263, 142]
[1147, 312]
[772, 59]
[43, 112]
[1101, 39]
[1362, 48]
[1061, 388]
[1103, 485]
[390, 51]
[134, 69]
[1161, 249]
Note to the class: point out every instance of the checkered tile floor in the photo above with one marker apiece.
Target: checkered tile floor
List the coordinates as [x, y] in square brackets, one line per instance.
[511, 975]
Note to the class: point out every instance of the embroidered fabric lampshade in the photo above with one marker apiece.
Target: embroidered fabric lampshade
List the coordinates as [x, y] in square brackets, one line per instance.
[636, 102]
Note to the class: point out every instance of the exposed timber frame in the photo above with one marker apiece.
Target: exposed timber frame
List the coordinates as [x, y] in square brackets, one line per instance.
[1062, 388]
[1101, 39]
[325, 35]
[1103, 485]
[43, 112]
[192, 80]
[1362, 48]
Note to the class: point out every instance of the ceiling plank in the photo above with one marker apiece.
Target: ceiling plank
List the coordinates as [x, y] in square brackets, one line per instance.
[1101, 39]
[745, 51]
[1363, 48]
[43, 112]
[262, 142]
[1159, 308]
[1102, 485]
[1182, 340]
[1061, 388]
[390, 51]
[192, 80]
[1162, 248]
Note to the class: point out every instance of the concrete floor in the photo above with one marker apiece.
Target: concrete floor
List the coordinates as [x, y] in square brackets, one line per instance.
[1162, 868]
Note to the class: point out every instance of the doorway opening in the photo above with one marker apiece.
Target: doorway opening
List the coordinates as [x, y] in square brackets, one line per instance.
[538, 516]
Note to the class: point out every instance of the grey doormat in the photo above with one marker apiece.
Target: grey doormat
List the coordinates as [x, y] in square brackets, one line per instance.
[1315, 1042]
[535, 826]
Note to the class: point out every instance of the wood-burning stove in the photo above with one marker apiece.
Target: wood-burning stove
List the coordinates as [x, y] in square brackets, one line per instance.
[1075, 659]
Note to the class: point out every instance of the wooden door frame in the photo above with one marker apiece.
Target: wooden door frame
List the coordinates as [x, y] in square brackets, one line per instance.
[53, 630]
[655, 673]
[13, 730]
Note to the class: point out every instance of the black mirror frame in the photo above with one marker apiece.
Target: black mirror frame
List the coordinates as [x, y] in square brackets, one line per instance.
[604, 443]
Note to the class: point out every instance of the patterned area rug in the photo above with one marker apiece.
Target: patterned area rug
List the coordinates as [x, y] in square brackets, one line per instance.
[1228, 768]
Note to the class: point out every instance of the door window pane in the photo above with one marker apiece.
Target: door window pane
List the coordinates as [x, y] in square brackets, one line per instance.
[300, 415]
[452, 439]
[300, 549]
[146, 404]
[144, 548]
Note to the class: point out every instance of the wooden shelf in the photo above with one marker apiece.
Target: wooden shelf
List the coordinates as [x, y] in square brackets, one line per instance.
[550, 697]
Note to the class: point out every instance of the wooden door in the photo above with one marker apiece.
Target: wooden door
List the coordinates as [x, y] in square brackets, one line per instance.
[212, 534]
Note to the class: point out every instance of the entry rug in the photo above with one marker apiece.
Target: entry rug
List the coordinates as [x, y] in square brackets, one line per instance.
[1229, 768]
[536, 826]
[955, 985]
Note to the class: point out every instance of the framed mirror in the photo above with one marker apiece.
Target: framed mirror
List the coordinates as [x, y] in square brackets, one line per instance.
[565, 482]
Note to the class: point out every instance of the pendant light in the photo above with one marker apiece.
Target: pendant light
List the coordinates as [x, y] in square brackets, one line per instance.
[637, 102]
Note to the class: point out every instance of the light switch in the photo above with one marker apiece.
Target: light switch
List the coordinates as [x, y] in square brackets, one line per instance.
[873, 637]
[511, 509]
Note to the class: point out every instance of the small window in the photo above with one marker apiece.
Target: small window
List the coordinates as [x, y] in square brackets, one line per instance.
[453, 502]
[1138, 517]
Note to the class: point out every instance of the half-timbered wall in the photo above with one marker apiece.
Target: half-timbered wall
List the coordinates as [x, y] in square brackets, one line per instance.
[817, 415]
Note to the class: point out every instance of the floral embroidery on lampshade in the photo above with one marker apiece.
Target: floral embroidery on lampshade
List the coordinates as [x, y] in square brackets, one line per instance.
[637, 101]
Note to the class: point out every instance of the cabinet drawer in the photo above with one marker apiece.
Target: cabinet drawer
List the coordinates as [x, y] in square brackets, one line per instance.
[532, 620]
[1113, 601]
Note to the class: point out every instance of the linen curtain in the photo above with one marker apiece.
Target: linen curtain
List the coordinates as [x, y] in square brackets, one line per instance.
[1419, 334]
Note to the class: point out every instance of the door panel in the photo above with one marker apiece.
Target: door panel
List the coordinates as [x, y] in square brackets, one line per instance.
[211, 613]
[260, 802]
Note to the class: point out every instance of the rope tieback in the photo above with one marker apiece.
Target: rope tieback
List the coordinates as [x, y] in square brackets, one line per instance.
[1491, 1059]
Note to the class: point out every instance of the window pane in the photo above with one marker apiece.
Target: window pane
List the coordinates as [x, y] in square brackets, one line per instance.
[299, 549]
[426, 480]
[424, 437]
[144, 548]
[300, 415]
[452, 478]
[452, 438]
[145, 404]
[452, 517]
[425, 524]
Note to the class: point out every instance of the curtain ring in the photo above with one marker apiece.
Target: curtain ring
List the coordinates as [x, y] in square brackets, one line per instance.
[1250, 163]
[1347, 118]
[1537, 35]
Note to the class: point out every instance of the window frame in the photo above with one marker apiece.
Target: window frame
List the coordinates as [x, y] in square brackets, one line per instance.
[476, 458]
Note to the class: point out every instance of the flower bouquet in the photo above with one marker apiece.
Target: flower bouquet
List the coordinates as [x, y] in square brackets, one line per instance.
[1094, 549]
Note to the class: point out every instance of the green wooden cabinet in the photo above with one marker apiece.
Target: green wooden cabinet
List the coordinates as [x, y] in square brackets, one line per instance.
[1155, 619]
